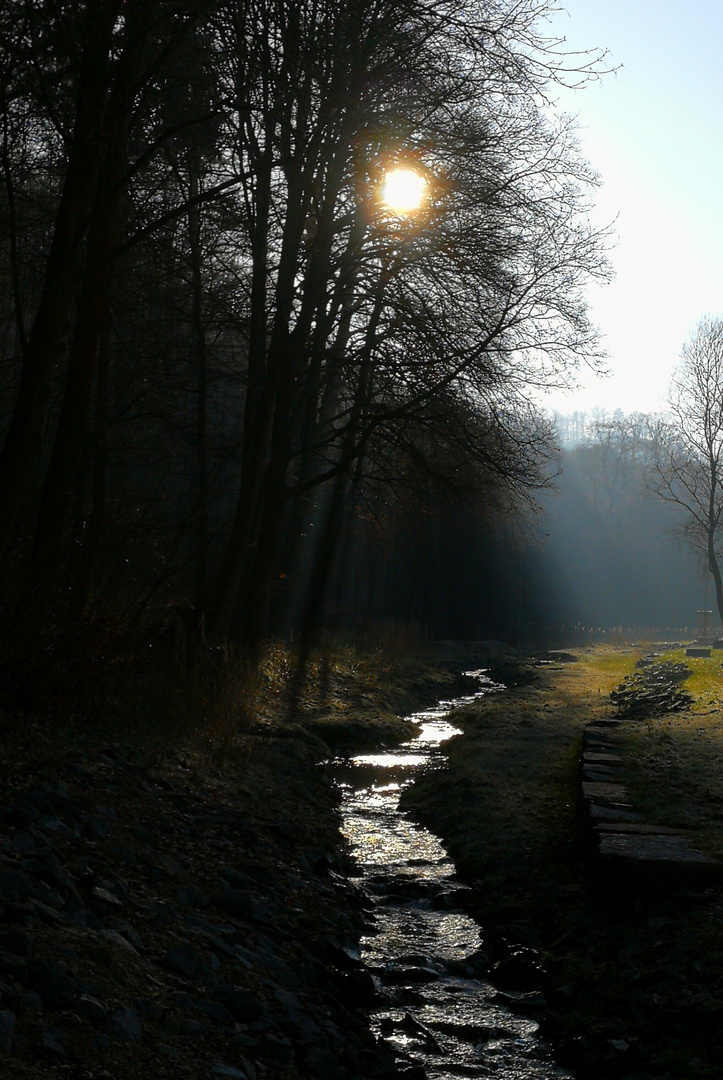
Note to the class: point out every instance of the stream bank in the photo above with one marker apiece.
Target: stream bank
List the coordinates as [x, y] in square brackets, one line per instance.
[162, 912]
[629, 990]
[169, 912]
[158, 918]
[436, 1005]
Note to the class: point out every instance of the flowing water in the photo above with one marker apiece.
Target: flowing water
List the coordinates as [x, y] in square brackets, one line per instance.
[423, 947]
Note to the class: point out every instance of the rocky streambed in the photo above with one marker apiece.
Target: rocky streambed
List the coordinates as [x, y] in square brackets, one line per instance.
[161, 914]
[435, 1004]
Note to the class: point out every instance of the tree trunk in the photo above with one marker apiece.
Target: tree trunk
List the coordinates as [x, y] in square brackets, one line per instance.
[23, 444]
[199, 331]
[48, 541]
[95, 529]
[712, 557]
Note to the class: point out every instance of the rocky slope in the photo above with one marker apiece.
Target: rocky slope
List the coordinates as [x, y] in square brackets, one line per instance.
[160, 916]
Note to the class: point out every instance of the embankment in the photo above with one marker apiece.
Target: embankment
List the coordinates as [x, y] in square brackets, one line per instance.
[171, 910]
[631, 989]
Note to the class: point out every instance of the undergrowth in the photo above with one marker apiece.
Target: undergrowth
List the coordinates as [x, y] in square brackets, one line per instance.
[163, 684]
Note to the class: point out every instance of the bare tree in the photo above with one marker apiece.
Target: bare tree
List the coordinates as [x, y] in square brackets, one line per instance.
[685, 460]
[357, 322]
[231, 334]
[611, 459]
[63, 271]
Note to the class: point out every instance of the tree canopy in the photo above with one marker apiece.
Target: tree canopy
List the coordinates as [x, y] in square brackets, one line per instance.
[218, 341]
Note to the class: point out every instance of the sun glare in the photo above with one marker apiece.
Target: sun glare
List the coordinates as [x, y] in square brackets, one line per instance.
[403, 190]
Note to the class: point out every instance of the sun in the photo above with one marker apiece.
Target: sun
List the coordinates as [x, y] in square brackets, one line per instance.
[403, 190]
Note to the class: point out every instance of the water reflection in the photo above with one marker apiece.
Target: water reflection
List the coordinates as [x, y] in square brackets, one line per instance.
[453, 1025]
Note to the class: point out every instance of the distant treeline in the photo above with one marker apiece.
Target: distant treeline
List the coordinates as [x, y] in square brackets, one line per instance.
[601, 557]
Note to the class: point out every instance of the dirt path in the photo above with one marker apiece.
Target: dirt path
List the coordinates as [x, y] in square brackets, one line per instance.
[630, 992]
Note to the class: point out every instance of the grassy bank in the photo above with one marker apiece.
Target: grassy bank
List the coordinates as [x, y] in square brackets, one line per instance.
[507, 805]
[632, 991]
[674, 763]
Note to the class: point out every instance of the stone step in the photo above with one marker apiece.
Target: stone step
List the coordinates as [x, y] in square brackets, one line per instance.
[652, 865]
[596, 730]
[599, 773]
[651, 848]
[631, 856]
[599, 741]
[605, 792]
[596, 757]
[606, 748]
[599, 813]
[634, 828]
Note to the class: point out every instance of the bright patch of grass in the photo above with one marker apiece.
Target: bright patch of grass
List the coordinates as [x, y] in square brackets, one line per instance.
[706, 681]
[615, 663]
[674, 764]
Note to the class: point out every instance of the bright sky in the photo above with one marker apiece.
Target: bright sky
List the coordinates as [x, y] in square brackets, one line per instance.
[653, 132]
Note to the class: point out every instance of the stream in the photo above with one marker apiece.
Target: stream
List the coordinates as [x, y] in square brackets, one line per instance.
[423, 947]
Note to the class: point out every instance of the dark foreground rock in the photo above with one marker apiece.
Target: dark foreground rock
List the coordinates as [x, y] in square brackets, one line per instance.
[160, 917]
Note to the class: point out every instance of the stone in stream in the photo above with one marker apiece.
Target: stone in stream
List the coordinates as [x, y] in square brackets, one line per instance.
[17, 941]
[276, 1051]
[321, 1063]
[355, 988]
[407, 976]
[14, 884]
[519, 970]
[125, 1025]
[7, 1030]
[230, 1072]
[90, 1008]
[50, 1041]
[183, 959]
[56, 986]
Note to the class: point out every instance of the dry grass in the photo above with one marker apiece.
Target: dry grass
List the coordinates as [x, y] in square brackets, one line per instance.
[514, 794]
[222, 703]
[674, 764]
[505, 810]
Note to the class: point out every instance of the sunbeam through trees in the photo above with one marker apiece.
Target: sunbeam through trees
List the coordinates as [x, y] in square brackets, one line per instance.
[224, 353]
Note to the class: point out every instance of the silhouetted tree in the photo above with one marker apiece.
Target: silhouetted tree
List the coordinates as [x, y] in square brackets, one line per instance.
[359, 319]
[685, 465]
[89, 71]
[233, 342]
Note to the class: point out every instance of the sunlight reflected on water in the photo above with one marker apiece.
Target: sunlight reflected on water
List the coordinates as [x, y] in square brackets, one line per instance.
[453, 1026]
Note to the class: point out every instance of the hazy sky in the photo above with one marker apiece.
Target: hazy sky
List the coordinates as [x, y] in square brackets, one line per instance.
[653, 132]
